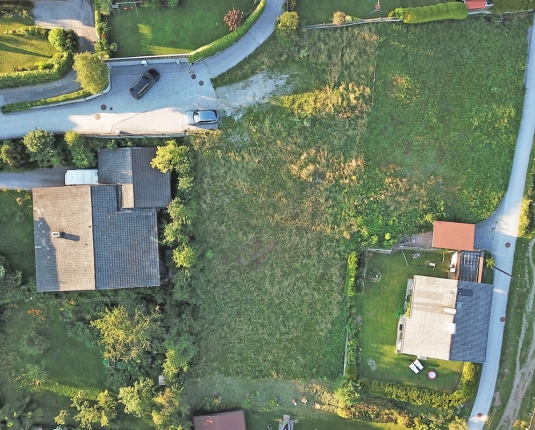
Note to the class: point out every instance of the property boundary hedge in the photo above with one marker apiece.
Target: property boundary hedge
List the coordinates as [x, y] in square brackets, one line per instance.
[351, 274]
[61, 65]
[22, 106]
[423, 396]
[435, 12]
[230, 39]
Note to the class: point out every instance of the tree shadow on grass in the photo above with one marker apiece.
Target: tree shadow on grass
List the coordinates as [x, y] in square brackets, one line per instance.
[8, 48]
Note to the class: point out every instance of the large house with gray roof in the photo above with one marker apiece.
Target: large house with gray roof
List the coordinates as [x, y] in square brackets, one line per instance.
[97, 237]
[446, 319]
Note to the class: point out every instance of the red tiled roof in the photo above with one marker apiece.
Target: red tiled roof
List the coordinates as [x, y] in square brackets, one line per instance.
[475, 4]
[226, 421]
[454, 235]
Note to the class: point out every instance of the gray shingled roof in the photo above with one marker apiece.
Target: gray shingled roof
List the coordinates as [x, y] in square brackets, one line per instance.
[125, 243]
[474, 303]
[115, 166]
[151, 188]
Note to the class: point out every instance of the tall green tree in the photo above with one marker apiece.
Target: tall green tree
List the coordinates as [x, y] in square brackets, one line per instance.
[91, 72]
[82, 156]
[13, 153]
[125, 336]
[43, 148]
[102, 412]
[172, 156]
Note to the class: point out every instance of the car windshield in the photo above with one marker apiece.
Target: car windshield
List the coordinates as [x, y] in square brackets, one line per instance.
[203, 116]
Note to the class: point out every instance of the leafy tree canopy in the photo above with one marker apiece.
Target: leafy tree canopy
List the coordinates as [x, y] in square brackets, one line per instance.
[91, 72]
[125, 336]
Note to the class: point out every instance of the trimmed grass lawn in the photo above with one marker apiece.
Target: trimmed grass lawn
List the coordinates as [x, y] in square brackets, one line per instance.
[378, 306]
[159, 31]
[21, 51]
[16, 233]
[318, 12]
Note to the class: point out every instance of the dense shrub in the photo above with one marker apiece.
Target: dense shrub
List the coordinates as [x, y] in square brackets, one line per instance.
[435, 12]
[103, 6]
[287, 22]
[351, 274]
[233, 18]
[13, 154]
[228, 40]
[63, 40]
[339, 18]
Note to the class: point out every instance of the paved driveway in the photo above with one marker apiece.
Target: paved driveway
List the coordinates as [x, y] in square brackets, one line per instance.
[507, 221]
[77, 15]
[160, 111]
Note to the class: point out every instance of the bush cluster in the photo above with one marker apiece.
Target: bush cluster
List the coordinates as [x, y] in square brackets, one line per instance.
[48, 71]
[31, 31]
[351, 273]
[435, 12]
[102, 47]
[424, 396]
[228, 40]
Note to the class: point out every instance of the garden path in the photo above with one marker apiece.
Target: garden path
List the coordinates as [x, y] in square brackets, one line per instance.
[503, 247]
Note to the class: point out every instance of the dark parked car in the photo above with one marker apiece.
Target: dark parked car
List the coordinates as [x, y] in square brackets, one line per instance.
[144, 83]
[201, 117]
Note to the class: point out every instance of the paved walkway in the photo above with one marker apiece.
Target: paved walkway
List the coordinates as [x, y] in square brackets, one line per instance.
[503, 247]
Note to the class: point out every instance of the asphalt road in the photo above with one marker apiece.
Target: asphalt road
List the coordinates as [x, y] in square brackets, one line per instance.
[503, 247]
[34, 179]
[159, 112]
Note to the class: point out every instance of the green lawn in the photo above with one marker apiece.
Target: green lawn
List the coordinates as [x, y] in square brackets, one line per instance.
[378, 306]
[259, 421]
[178, 30]
[318, 12]
[16, 234]
[21, 51]
[69, 365]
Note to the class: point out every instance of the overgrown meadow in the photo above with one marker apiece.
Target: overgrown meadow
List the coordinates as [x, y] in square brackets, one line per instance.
[344, 161]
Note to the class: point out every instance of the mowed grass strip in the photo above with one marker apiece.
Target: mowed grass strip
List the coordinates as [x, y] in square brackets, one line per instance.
[21, 51]
[159, 31]
[16, 234]
[378, 306]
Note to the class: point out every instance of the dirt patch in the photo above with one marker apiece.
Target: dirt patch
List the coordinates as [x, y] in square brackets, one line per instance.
[523, 372]
[233, 99]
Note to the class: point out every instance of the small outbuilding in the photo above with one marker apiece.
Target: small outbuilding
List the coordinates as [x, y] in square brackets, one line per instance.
[454, 235]
[225, 421]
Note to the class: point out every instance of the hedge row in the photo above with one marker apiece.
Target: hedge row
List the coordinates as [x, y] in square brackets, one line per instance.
[22, 106]
[435, 12]
[11, 5]
[424, 396]
[60, 65]
[230, 39]
[351, 274]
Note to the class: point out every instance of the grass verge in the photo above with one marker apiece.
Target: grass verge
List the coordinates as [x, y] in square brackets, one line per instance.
[22, 106]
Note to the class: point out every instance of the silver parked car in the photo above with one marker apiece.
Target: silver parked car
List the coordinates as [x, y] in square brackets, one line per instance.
[194, 117]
